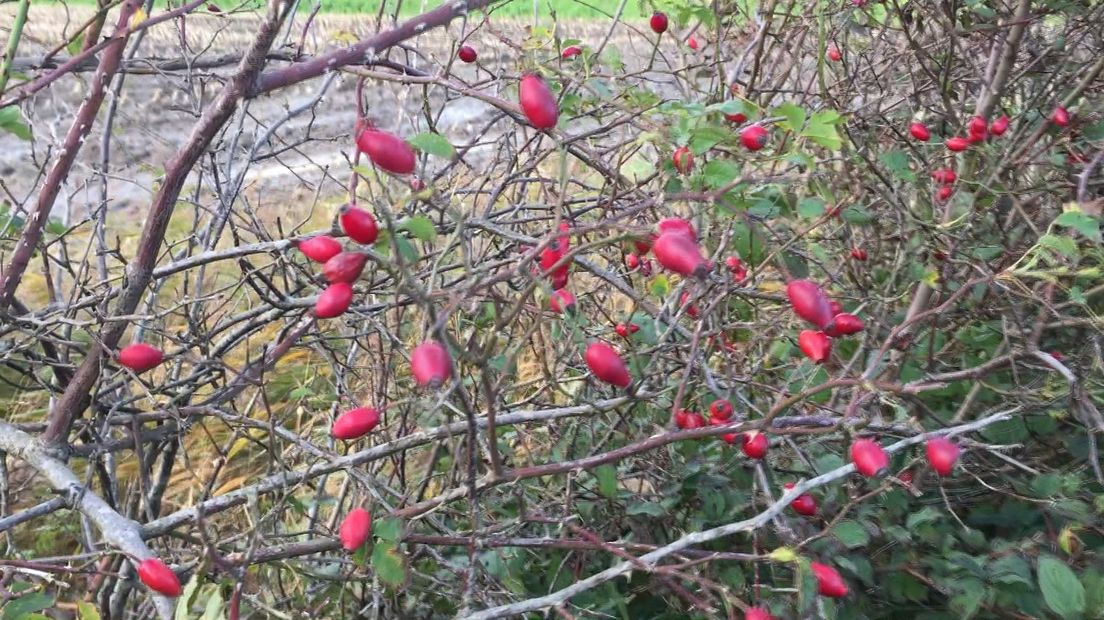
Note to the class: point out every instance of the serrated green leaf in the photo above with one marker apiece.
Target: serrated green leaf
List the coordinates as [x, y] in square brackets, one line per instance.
[389, 564]
[1010, 569]
[407, 250]
[794, 116]
[434, 144]
[607, 480]
[20, 608]
[810, 207]
[388, 529]
[1083, 223]
[720, 172]
[421, 227]
[1061, 590]
[897, 162]
[926, 514]
[851, 534]
[824, 135]
[1063, 245]
[857, 215]
[706, 138]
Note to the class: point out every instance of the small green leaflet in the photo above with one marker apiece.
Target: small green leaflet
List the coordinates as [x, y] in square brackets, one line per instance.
[434, 144]
[794, 115]
[1062, 591]
[420, 227]
[24, 606]
[389, 563]
[1083, 223]
[12, 122]
[388, 529]
[822, 129]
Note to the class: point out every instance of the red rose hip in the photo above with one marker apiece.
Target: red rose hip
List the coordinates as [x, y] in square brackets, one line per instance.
[359, 224]
[538, 103]
[345, 267]
[158, 577]
[754, 444]
[920, 132]
[355, 529]
[605, 364]
[467, 54]
[753, 137]
[680, 254]
[942, 455]
[320, 249]
[658, 22]
[809, 302]
[140, 357]
[431, 364]
[355, 423]
[829, 581]
[869, 458]
[387, 151]
[334, 301]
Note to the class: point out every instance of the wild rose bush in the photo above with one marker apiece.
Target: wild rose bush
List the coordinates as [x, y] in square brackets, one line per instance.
[772, 309]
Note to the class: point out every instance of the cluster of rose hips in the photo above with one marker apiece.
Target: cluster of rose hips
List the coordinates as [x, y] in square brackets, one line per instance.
[811, 303]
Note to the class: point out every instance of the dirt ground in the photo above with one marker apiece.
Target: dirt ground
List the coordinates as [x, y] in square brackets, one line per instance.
[309, 153]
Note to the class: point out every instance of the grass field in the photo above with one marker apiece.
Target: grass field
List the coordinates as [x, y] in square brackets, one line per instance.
[577, 9]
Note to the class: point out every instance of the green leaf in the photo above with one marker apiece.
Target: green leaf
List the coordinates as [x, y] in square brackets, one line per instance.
[607, 480]
[794, 115]
[851, 534]
[389, 564]
[826, 117]
[1062, 592]
[660, 286]
[213, 610]
[20, 608]
[1063, 245]
[1010, 569]
[924, 515]
[706, 138]
[421, 227]
[434, 144]
[897, 162]
[824, 135]
[857, 215]
[1083, 223]
[388, 529]
[87, 611]
[184, 603]
[12, 122]
[971, 592]
[75, 45]
[719, 173]
[407, 250]
[646, 508]
[810, 207]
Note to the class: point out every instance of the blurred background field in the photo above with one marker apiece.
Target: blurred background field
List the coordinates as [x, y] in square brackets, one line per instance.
[576, 9]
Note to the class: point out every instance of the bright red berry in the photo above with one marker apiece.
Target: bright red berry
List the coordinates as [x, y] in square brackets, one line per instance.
[835, 307]
[355, 529]
[1060, 117]
[757, 613]
[858, 254]
[720, 409]
[604, 362]
[844, 324]
[692, 42]
[834, 54]
[359, 224]
[869, 458]
[622, 330]
[920, 131]
[355, 423]
[829, 581]
[803, 504]
[957, 144]
[809, 302]
[755, 444]
[999, 126]
[571, 51]
[754, 137]
[467, 54]
[944, 193]
[562, 301]
[680, 254]
[345, 267]
[140, 357]
[683, 160]
[658, 22]
[737, 118]
[158, 577]
[944, 176]
[942, 455]
[632, 261]
[815, 345]
[321, 248]
[334, 301]
[978, 125]
[431, 364]
[387, 151]
[538, 103]
[677, 225]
